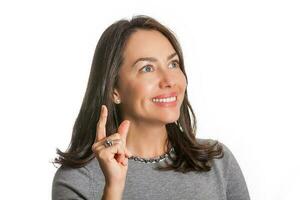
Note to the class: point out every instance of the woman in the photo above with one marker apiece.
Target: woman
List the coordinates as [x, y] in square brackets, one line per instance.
[142, 144]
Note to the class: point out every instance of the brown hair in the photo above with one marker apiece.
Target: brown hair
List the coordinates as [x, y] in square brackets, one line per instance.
[108, 57]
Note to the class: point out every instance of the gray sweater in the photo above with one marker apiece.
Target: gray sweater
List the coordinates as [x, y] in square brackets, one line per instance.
[225, 181]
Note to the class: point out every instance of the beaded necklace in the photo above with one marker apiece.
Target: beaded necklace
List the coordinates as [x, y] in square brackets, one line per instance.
[154, 159]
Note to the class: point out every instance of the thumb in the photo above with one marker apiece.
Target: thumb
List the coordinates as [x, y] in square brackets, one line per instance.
[123, 130]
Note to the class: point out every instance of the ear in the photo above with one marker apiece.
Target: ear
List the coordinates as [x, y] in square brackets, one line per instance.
[116, 95]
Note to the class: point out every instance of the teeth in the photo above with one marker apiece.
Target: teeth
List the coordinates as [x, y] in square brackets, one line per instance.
[164, 100]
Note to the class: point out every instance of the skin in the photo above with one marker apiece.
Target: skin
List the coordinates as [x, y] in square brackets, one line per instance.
[137, 86]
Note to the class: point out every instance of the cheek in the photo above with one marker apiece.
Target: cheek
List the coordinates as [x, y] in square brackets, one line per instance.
[139, 90]
[182, 82]
[143, 89]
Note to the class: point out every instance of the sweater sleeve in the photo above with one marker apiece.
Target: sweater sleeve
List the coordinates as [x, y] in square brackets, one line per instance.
[69, 183]
[236, 188]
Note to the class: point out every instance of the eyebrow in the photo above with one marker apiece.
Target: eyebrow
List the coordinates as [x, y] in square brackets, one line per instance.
[152, 59]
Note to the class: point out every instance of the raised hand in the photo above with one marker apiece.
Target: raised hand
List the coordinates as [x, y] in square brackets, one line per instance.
[113, 160]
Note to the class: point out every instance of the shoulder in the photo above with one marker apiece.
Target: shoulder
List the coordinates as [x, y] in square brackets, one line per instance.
[69, 173]
[71, 182]
[228, 168]
[227, 161]
[230, 173]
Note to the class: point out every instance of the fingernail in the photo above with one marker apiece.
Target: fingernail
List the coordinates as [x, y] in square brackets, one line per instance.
[102, 107]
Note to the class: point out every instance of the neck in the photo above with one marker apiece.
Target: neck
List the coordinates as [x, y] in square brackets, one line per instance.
[147, 140]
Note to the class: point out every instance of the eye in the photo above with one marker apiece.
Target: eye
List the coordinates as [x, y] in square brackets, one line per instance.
[147, 68]
[175, 63]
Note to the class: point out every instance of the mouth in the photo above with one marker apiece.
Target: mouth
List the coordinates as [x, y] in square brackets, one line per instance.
[166, 99]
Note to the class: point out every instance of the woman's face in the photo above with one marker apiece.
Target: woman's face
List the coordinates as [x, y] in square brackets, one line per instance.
[151, 84]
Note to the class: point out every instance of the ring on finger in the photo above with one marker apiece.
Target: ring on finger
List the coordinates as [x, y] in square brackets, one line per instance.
[108, 143]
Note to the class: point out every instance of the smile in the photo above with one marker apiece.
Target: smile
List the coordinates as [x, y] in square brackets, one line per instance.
[164, 100]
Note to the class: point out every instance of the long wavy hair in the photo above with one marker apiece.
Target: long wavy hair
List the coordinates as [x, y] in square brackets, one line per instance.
[108, 57]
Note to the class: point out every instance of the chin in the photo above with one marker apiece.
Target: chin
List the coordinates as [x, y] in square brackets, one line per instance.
[170, 119]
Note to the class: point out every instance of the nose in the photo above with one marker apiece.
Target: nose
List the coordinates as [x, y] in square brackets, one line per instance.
[167, 80]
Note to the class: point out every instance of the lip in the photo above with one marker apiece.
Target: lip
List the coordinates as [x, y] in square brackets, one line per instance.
[172, 94]
[166, 104]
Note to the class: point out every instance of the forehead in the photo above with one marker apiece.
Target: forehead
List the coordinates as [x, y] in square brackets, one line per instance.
[144, 43]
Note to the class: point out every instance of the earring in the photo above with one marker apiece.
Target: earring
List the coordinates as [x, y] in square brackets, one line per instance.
[118, 101]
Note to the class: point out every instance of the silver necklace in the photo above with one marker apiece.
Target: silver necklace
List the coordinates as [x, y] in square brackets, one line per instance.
[154, 159]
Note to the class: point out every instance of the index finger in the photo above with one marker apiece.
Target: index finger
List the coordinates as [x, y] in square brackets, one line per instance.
[101, 130]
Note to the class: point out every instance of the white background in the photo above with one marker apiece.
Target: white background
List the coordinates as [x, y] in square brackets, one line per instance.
[242, 60]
